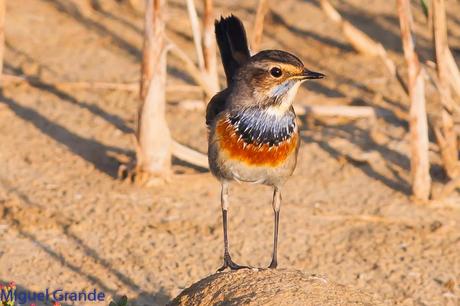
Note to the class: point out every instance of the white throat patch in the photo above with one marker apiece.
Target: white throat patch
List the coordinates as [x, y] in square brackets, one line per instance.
[287, 92]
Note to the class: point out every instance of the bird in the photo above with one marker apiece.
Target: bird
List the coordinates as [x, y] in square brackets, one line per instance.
[253, 135]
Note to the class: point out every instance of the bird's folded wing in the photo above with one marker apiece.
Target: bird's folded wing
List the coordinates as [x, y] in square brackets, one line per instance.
[216, 106]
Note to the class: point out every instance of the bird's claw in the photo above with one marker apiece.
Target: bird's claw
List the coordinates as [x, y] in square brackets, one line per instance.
[228, 263]
[273, 264]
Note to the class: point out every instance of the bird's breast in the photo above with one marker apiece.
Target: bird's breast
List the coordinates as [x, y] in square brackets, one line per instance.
[257, 140]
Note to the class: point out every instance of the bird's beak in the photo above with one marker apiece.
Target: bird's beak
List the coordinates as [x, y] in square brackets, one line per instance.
[310, 75]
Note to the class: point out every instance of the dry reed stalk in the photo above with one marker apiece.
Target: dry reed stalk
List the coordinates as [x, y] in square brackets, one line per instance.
[337, 110]
[209, 47]
[196, 33]
[452, 67]
[190, 66]
[447, 189]
[189, 155]
[134, 87]
[154, 145]
[262, 9]
[420, 165]
[153, 149]
[2, 32]
[153, 33]
[454, 72]
[8, 79]
[446, 135]
[362, 43]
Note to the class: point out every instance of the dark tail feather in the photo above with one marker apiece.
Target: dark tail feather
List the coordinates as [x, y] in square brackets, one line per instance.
[233, 44]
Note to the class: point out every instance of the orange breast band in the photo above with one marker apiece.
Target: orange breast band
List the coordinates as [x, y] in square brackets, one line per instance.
[253, 154]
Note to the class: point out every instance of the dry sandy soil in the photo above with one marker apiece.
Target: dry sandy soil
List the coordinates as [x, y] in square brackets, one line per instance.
[67, 221]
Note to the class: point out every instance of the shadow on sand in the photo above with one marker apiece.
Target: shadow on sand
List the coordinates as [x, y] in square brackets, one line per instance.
[142, 298]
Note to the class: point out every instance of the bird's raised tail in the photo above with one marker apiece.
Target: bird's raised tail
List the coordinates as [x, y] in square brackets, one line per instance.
[233, 44]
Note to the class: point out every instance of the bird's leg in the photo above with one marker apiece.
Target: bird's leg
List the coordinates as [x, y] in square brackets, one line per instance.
[228, 262]
[276, 209]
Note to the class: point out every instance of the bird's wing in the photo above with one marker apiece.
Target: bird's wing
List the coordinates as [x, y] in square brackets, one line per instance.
[233, 44]
[216, 106]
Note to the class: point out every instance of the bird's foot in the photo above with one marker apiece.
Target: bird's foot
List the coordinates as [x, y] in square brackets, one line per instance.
[228, 263]
[273, 264]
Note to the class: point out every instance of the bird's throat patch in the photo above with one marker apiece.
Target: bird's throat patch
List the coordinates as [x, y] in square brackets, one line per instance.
[257, 144]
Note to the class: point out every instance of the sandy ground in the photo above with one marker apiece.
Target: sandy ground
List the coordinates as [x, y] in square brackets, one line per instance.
[66, 221]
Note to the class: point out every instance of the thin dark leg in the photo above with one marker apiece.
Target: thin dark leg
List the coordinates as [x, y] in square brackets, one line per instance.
[276, 209]
[228, 262]
[224, 222]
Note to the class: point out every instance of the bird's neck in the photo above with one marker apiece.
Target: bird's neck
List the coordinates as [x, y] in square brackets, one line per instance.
[276, 100]
[283, 95]
[256, 125]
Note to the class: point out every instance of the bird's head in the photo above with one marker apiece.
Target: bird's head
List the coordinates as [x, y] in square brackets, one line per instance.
[272, 78]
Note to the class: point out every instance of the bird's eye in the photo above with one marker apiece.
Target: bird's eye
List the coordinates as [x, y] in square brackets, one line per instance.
[276, 72]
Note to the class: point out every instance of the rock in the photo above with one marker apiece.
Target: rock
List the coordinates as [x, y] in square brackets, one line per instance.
[270, 287]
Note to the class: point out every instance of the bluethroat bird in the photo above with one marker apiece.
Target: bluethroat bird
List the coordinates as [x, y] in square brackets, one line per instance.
[253, 134]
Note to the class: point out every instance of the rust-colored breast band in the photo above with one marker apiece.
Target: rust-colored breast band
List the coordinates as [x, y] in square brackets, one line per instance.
[254, 155]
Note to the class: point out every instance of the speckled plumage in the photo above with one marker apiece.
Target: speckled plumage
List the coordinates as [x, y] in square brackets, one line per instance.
[258, 127]
[257, 145]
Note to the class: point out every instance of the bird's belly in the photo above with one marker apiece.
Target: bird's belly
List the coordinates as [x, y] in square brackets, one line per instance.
[259, 163]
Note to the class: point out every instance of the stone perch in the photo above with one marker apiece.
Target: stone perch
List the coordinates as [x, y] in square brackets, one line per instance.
[270, 287]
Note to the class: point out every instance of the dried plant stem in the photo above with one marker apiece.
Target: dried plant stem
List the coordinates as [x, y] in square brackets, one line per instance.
[258, 30]
[196, 32]
[154, 145]
[188, 155]
[454, 72]
[362, 43]
[446, 135]
[448, 188]
[337, 110]
[2, 32]
[420, 166]
[134, 87]
[153, 150]
[194, 72]
[8, 79]
[153, 33]
[209, 47]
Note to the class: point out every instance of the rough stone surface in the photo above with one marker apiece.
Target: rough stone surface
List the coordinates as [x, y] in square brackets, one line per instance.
[270, 287]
